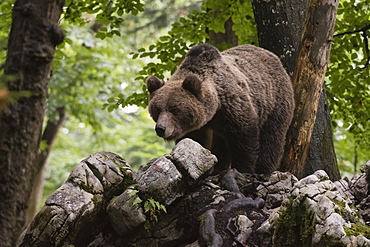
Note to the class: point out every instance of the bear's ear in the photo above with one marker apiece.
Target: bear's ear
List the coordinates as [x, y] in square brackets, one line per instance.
[193, 85]
[153, 83]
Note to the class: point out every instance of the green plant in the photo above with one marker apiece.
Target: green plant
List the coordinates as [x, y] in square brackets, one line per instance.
[153, 209]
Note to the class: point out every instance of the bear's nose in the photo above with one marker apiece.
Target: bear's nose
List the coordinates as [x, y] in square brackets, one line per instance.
[160, 129]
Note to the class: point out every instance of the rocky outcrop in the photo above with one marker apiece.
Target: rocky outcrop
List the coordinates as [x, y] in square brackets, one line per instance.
[316, 213]
[173, 201]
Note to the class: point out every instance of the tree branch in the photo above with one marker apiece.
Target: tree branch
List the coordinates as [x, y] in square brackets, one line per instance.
[366, 41]
[352, 32]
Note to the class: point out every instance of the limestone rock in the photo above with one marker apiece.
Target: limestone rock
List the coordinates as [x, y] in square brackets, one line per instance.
[125, 212]
[77, 205]
[316, 214]
[277, 189]
[161, 181]
[99, 205]
[192, 160]
[241, 227]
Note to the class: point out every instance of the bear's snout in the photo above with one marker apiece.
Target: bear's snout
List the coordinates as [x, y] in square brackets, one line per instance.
[165, 127]
[160, 129]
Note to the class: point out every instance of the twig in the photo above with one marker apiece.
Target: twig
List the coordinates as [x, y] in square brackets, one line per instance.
[366, 41]
[352, 32]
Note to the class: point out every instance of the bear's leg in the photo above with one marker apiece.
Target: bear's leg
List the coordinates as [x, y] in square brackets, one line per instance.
[244, 154]
[222, 152]
[242, 139]
[272, 141]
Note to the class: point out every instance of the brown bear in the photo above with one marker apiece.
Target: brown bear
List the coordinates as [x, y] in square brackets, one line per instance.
[238, 103]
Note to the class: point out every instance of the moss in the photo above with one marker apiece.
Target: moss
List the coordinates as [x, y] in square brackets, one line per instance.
[95, 200]
[342, 211]
[324, 179]
[202, 220]
[340, 204]
[84, 186]
[240, 212]
[122, 168]
[112, 199]
[358, 228]
[295, 226]
[326, 241]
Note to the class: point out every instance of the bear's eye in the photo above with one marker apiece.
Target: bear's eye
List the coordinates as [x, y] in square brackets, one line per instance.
[154, 112]
[183, 113]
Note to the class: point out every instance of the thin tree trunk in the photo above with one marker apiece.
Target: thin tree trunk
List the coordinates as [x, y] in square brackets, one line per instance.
[32, 40]
[308, 80]
[279, 25]
[49, 136]
[228, 37]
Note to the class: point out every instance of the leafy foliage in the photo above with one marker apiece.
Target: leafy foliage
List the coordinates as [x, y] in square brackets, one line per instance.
[5, 22]
[349, 156]
[131, 136]
[348, 76]
[153, 208]
[108, 13]
[171, 48]
[134, 197]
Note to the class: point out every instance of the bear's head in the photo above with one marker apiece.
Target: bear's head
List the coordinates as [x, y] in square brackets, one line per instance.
[181, 106]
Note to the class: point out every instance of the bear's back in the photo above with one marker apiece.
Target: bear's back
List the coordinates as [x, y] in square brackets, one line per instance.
[256, 58]
[257, 74]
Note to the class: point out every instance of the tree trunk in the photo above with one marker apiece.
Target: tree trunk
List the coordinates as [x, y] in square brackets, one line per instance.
[308, 80]
[229, 37]
[32, 40]
[321, 153]
[49, 136]
[279, 25]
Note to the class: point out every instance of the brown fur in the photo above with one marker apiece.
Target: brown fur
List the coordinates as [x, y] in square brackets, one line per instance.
[238, 103]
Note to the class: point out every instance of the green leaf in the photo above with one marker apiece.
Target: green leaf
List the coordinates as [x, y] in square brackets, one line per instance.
[111, 100]
[111, 108]
[43, 145]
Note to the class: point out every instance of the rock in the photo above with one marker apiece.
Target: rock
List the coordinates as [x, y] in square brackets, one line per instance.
[277, 189]
[315, 214]
[195, 244]
[79, 203]
[161, 181]
[192, 160]
[359, 187]
[342, 186]
[104, 203]
[165, 179]
[325, 207]
[125, 213]
[244, 202]
[241, 227]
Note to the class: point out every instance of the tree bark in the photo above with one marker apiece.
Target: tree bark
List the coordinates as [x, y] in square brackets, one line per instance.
[229, 37]
[32, 40]
[49, 136]
[321, 153]
[308, 80]
[279, 25]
